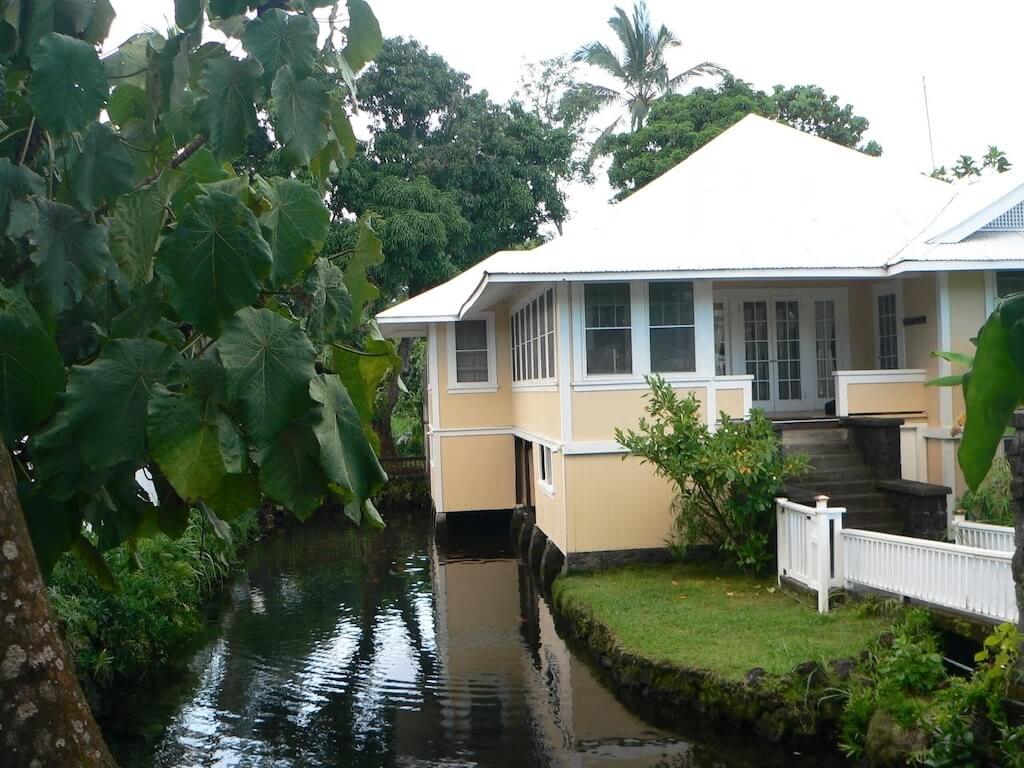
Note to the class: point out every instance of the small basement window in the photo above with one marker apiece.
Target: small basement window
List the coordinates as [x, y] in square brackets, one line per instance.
[547, 476]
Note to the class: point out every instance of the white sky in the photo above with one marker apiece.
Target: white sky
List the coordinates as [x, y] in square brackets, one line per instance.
[872, 55]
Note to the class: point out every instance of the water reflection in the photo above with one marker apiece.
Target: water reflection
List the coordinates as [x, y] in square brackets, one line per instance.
[342, 648]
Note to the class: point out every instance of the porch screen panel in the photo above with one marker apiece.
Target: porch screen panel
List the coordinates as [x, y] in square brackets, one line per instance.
[755, 341]
[608, 328]
[888, 345]
[787, 348]
[671, 327]
[533, 339]
[825, 347]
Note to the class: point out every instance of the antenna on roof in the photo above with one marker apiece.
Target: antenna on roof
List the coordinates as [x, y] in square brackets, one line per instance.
[928, 119]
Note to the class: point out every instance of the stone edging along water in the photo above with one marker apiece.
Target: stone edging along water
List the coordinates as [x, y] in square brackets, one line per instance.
[800, 709]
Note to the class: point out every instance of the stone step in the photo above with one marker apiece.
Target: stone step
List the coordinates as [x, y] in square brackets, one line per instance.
[805, 437]
[839, 485]
[836, 461]
[859, 501]
[820, 449]
[825, 476]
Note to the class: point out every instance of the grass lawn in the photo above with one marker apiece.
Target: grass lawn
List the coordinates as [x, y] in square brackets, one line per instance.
[704, 617]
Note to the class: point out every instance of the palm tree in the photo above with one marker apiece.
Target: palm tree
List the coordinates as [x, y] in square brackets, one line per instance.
[640, 69]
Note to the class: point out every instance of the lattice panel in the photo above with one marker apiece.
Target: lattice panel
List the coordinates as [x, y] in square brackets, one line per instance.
[1013, 219]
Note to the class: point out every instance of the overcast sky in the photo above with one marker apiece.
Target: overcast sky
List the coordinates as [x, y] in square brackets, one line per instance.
[871, 55]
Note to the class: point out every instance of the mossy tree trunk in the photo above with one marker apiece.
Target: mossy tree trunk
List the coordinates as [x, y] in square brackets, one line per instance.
[45, 721]
[1016, 457]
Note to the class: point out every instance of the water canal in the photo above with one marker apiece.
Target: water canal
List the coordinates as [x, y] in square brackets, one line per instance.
[339, 647]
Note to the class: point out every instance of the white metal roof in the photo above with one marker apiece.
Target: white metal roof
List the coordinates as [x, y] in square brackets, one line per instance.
[761, 200]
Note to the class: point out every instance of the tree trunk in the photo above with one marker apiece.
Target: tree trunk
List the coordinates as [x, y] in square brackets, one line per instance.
[382, 414]
[45, 721]
[1015, 454]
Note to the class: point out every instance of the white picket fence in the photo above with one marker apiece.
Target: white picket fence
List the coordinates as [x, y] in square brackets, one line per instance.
[983, 535]
[815, 550]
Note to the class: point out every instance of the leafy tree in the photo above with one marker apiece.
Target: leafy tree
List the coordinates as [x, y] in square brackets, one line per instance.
[163, 313]
[640, 69]
[679, 125]
[455, 176]
[993, 161]
[810, 109]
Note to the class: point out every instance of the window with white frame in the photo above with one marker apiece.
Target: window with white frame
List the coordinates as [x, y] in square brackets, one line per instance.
[670, 308]
[471, 354]
[888, 332]
[1008, 282]
[533, 339]
[546, 474]
[721, 337]
[607, 328]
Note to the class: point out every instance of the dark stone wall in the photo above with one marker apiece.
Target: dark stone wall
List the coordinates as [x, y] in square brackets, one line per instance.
[878, 441]
[921, 507]
[595, 561]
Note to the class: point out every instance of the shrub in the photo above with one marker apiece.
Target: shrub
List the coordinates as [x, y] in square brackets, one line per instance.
[726, 480]
[991, 503]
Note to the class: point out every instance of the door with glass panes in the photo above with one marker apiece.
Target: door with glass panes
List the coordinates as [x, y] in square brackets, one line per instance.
[790, 345]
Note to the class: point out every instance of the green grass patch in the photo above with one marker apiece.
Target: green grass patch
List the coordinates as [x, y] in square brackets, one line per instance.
[705, 617]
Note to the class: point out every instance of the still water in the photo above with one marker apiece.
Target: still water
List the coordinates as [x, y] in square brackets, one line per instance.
[340, 647]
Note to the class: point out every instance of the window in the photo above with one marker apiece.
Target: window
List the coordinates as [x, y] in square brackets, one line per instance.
[547, 475]
[825, 347]
[533, 339]
[787, 349]
[721, 350]
[888, 330]
[671, 327]
[607, 328]
[471, 365]
[1009, 282]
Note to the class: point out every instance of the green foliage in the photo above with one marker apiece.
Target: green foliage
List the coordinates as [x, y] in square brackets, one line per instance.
[726, 480]
[811, 110]
[161, 311]
[993, 161]
[993, 501]
[130, 634]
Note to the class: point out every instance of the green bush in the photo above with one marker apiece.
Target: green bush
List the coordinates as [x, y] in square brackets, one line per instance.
[161, 585]
[992, 502]
[726, 480]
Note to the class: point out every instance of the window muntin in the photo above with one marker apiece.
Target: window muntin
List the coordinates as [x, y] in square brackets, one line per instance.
[533, 339]
[671, 327]
[471, 353]
[1010, 281]
[607, 328]
[888, 341]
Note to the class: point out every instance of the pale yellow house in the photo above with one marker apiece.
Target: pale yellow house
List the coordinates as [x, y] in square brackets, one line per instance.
[771, 270]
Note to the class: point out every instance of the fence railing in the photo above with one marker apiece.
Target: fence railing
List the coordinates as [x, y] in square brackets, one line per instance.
[815, 550]
[983, 535]
[404, 466]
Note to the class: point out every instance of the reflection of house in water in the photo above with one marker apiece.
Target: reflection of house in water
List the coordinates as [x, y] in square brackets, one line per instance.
[508, 675]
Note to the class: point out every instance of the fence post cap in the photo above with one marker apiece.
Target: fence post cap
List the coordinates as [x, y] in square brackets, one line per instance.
[821, 500]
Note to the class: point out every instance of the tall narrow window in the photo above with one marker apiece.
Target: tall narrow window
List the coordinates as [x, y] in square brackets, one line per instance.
[825, 347]
[533, 339]
[471, 352]
[787, 349]
[755, 347]
[608, 328]
[888, 333]
[672, 330]
[721, 352]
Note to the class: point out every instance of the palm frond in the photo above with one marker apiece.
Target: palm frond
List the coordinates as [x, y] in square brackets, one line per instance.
[704, 68]
[600, 93]
[599, 55]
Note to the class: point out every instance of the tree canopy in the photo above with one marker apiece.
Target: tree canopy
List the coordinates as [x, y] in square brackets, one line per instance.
[679, 125]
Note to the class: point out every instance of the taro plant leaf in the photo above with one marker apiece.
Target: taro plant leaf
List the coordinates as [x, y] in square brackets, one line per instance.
[107, 400]
[280, 39]
[173, 513]
[225, 9]
[94, 563]
[300, 108]
[68, 86]
[187, 12]
[214, 262]
[367, 254]
[363, 38]
[53, 525]
[992, 390]
[103, 170]
[31, 376]
[954, 357]
[268, 362]
[58, 462]
[237, 494]
[71, 254]
[184, 440]
[362, 371]
[295, 226]
[345, 454]
[99, 23]
[16, 183]
[228, 111]
[290, 471]
[330, 303]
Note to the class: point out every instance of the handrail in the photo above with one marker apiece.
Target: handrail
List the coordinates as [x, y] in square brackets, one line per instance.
[935, 546]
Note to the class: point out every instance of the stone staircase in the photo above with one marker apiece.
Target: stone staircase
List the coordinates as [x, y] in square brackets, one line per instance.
[839, 471]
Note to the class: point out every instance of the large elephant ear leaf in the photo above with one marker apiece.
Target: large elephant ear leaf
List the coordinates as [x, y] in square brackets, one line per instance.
[108, 398]
[184, 440]
[268, 362]
[345, 454]
[214, 262]
[31, 375]
[227, 110]
[363, 37]
[330, 303]
[16, 183]
[295, 226]
[103, 170]
[367, 254]
[301, 111]
[362, 371]
[68, 86]
[279, 39]
[290, 472]
[992, 390]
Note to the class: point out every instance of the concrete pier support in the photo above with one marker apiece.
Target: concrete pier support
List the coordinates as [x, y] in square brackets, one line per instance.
[538, 540]
[551, 563]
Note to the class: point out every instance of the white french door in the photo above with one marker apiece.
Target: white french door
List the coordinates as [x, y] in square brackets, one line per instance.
[791, 343]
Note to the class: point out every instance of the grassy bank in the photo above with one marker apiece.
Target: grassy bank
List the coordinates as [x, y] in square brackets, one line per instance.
[700, 617]
[134, 632]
